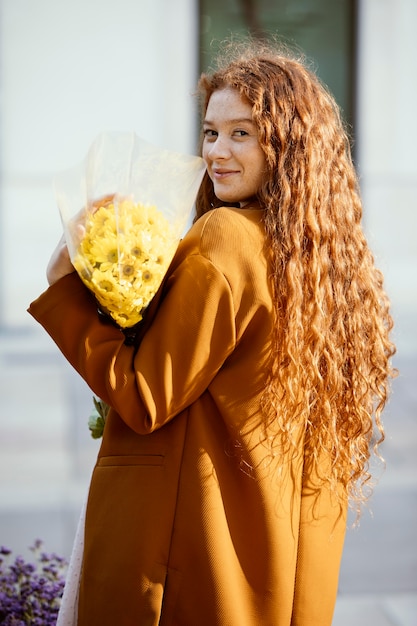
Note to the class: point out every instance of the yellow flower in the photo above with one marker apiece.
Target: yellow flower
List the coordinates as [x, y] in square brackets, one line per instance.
[123, 257]
[103, 250]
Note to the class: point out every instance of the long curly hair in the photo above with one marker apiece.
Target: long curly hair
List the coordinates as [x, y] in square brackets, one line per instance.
[331, 346]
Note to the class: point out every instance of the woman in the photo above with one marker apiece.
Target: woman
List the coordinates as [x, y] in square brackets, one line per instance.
[242, 420]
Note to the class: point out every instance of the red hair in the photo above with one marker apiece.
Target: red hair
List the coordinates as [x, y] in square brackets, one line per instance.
[330, 366]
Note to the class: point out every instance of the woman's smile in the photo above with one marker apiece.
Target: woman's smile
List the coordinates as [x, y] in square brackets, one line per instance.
[223, 173]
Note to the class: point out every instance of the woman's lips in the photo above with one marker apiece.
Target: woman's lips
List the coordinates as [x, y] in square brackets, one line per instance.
[220, 174]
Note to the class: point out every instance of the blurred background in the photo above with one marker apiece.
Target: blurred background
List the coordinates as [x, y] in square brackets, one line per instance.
[71, 70]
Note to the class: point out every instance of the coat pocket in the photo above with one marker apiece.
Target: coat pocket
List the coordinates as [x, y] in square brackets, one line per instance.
[123, 460]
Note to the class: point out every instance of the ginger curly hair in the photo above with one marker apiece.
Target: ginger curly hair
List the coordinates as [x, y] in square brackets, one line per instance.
[332, 351]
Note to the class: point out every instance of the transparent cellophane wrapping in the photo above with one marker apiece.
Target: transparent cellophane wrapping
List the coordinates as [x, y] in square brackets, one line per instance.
[124, 210]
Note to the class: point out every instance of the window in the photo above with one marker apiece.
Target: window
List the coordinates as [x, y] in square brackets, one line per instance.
[323, 29]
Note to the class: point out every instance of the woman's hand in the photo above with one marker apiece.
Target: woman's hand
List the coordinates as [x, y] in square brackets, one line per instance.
[60, 263]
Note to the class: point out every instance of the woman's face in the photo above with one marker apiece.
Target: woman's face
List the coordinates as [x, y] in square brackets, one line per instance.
[235, 160]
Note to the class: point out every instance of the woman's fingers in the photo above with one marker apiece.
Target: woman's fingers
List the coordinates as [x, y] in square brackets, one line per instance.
[60, 263]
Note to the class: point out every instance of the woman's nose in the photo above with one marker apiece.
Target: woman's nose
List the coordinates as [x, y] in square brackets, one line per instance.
[220, 148]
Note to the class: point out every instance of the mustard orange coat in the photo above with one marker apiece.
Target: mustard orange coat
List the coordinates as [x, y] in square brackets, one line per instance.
[188, 524]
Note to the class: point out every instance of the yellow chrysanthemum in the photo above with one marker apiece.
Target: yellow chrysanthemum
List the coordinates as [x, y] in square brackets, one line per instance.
[123, 257]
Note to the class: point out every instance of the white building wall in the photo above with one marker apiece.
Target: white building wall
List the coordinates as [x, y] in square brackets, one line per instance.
[387, 154]
[70, 70]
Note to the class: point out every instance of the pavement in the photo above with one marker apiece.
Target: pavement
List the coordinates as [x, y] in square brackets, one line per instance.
[47, 455]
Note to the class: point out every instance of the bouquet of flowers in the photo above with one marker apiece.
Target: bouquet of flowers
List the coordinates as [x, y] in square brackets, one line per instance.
[124, 210]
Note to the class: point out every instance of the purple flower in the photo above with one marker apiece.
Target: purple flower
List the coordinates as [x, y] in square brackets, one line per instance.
[30, 593]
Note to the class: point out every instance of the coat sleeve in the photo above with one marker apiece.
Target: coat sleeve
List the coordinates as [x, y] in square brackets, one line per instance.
[188, 340]
[320, 545]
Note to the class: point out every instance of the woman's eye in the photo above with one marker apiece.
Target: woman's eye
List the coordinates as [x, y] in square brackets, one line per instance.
[241, 133]
[208, 132]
